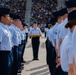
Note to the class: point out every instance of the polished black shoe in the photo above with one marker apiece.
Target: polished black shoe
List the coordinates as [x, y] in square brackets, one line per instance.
[19, 71]
[23, 61]
[36, 59]
[33, 59]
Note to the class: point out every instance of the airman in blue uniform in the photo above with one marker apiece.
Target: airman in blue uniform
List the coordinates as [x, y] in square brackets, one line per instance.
[35, 34]
[5, 42]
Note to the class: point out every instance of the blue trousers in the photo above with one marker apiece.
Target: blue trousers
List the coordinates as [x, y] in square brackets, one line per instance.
[65, 73]
[4, 62]
[23, 49]
[20, 48]
[50, 57]
[59, 71]
[35, 47]
[15, 61]
[11, 61]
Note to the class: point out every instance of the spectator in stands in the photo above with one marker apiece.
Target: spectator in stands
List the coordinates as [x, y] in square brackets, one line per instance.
[42, 10]
[16, 6]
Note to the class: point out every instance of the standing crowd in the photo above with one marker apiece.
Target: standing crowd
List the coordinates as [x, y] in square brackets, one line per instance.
[61, 41]
[42, 10]
[16, 6]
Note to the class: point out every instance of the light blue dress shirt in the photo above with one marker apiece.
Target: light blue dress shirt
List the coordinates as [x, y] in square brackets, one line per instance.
[18, 34]
[14, 35]
[66, 52]
[74, 44]
[51, 36]
[35, 31]
[5, 38]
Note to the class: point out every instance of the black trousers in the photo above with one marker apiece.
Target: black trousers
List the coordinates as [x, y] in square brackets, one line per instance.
[15, 61]
[23, 50]
[26, 37]
[35, 47]
[4, 63]
[51, 57]
[65, 73]
[59, 71]
[20, 48]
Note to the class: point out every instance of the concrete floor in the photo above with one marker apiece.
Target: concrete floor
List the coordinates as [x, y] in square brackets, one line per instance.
[35, 67]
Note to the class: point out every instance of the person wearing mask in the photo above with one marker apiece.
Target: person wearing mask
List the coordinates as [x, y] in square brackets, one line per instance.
[67, 47]
[59, 20]
[71, 5]
[51, 54]
[58, 16]
[73, 17]
[35, 34]
[62, 31]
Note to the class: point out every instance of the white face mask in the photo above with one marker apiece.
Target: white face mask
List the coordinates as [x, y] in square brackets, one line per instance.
[69, 11]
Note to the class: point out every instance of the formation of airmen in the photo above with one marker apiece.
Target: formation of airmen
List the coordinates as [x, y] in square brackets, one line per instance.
[13, 39]
[61, 41]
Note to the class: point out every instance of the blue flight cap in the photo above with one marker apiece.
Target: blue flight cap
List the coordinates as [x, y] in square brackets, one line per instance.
[57, 14]
[64, 11]
[70, 3]
[72, 15]
[52, 21]
[17, 17]
[4, 11]
[11, 15]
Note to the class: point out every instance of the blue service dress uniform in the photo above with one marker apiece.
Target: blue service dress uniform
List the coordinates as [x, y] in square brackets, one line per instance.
[19, 46]
[35, 42]
[47, 45]
[66, 53]
[5, 49]
[51, 53]
[62, 30]
[15, 49]
[23, 43]
[74, 44]
[55, 32]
